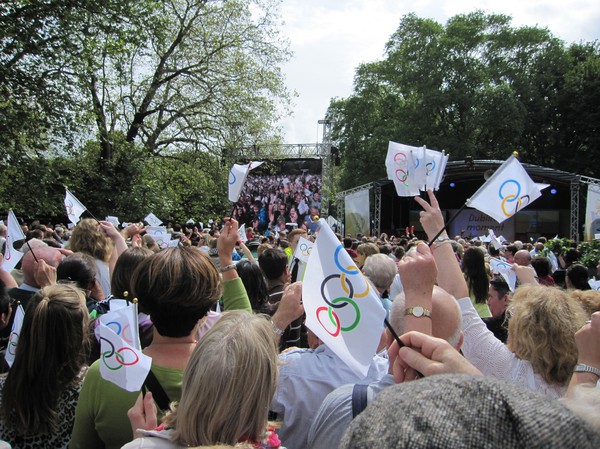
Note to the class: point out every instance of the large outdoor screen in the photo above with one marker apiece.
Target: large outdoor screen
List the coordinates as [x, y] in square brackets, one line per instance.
[281, 194]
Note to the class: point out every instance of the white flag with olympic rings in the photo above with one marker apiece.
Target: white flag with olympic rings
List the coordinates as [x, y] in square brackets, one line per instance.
[121, 363]
[342, 307]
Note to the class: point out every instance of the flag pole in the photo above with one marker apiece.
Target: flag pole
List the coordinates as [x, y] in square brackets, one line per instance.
[448, 223]
[393, 332]
[86, 210]
[395, 335]
[32, 253]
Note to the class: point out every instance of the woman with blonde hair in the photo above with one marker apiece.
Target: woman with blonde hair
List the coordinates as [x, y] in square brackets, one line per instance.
[98, 240]
[541, 353]
[227, 388]
[541, 330]
[39, 393]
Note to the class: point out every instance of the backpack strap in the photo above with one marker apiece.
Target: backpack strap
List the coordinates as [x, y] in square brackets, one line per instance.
[359, 399]
[158, 392]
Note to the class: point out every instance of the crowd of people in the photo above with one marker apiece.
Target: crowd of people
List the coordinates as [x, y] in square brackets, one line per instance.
[476, 361]
[280, 202]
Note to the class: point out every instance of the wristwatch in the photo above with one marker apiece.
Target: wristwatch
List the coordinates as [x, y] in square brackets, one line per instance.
[418, 312]
[277, 330]
[583, 368]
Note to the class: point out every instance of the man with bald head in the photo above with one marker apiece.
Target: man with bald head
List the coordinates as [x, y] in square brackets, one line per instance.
[336, 412]
[47, 256]
[523, 258]
[52, 257]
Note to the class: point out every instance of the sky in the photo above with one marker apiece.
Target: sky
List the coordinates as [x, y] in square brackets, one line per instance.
[330, 38]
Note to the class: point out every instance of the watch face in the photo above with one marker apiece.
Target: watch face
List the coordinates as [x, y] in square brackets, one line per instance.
[418, 311]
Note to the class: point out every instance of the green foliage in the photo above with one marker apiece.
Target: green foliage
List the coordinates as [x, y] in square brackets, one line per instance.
[474, 87]
[557, 246]
[155, 90]
[590, 253]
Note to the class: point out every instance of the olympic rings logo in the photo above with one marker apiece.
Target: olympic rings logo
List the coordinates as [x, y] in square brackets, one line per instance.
[121, 330]
[401, 162]
[232, 177]
[120, 355]
[327, 316]
[69, 207]
[12, 343]
[502, 267]
[512, 197]
[305, 249]
[429, 167]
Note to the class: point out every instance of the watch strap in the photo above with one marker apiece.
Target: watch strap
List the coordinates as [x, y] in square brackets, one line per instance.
[418, 312]
[583, 368]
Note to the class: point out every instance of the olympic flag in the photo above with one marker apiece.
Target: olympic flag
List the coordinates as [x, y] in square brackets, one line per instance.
[13, 234]
[11, 347]
[508, 190]
[122, 319]
[303, 249]
[341, 307]
[237, 179]
[121, 363]
[504, 269]
[400, 165]
[74, 207]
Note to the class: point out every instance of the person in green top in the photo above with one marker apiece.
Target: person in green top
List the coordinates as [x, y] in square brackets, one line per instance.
[177, 287]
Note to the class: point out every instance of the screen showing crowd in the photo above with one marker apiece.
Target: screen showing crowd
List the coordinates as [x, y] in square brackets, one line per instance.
[281, 195]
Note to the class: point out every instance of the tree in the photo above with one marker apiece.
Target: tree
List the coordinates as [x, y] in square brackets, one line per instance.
[39, 49]
[578, 112]
[474, 87]
[142, 78]
[203, 67]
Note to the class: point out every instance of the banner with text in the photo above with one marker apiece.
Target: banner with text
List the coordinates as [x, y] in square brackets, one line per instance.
[472, 223]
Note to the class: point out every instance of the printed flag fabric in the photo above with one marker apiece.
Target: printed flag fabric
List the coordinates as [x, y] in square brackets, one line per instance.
[506, 192]
[74, 207]
[242, 233]
[433, 164]
[11, 348]
[494, 240]
[399, 166]
[13, 233]
[303, 249]
[152, 220]
[121, 363]
[414, 168]
[594, 284]
[341, 307]
[237, 179]
[164, 241]
[172, 243]
[419, 165]
[122, 319]
[504, 269]
[113, 220]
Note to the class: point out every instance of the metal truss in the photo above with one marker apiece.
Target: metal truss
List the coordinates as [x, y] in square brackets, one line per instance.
[377, 215]
[574, 222]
